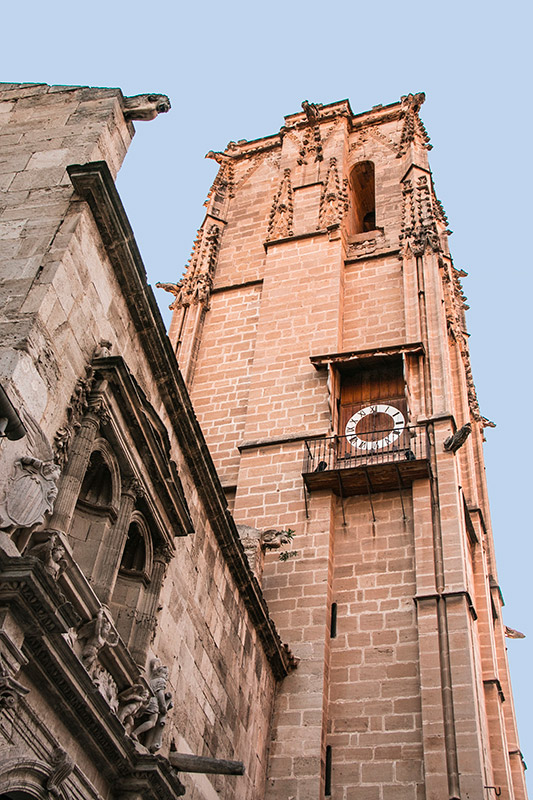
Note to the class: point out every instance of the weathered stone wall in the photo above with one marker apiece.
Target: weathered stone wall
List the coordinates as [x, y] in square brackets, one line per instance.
[61, 296]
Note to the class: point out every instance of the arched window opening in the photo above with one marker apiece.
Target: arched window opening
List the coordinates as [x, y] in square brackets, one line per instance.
[363, 197]
[97, 486]
[134, 555]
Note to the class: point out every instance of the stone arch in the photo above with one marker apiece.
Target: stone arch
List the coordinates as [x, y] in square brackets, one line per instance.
[362, 188]
[24, 779]
[102, 455]
[138, 534]
[96, 509]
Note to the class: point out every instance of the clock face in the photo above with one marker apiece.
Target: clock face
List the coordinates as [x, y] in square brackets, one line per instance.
[390, 424]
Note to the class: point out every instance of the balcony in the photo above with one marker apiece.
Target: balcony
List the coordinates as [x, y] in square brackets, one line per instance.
[377, 461]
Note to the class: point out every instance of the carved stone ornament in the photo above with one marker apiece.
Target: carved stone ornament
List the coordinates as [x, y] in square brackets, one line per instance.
[105, 683]
[52, 554]
[457, 440]
[145, 107]
[10, 690]
[374, 243]
[455, 307]
[251, 542]
[281, 214]
[76, 408]
[30, 493]
[223, 185]
[420, 215]
[413, 128]
[102, 349]
[334, 199]
[273, 540]
[292, 659]
[155, 712]
[196, 285]
[95, 634]
[132, 703]
[62, 766]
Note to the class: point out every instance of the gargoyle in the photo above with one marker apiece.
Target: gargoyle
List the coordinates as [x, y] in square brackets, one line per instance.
[145, 106]
[457, 440]
[311, 110]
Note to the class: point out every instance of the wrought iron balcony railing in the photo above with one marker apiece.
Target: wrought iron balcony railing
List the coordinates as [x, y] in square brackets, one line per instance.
[373, 461]
[369, 449]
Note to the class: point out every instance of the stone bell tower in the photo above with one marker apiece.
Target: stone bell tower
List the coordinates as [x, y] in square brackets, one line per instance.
[320, 327]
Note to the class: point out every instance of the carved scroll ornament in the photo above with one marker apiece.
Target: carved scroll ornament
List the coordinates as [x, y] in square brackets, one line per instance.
[62, 766]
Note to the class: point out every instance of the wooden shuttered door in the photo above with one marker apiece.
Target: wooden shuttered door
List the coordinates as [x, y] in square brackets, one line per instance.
[382, 385]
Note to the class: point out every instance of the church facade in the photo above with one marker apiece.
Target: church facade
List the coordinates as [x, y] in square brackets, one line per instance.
[253, 559]
[127, 603]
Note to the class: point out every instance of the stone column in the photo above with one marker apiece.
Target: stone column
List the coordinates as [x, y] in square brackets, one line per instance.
[108, 562]
[74, 472]
[140, 641]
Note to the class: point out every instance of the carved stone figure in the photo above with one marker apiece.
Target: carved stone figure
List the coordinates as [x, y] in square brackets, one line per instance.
[52, 553]
[145, 107]
[457, 440]
[96, 633]
[102, 349]
[272, 539]
[312, 110]
[155, 713]
[132, 701]
[62, 766]
[30, 494]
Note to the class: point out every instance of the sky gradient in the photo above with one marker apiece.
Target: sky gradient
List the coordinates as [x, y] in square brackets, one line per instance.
[233, 71]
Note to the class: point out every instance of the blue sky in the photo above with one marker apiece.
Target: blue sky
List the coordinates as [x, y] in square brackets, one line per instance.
[234, 70]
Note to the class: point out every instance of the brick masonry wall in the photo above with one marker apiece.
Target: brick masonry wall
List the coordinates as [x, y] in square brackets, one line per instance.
[222, 378]
[374, 725]
[385, 709]
[373, 304]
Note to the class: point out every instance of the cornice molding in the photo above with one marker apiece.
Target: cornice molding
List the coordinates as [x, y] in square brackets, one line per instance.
[94, 183]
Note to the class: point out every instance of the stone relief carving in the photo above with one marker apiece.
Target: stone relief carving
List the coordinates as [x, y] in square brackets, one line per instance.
[154, 714]
[62, 766]
[281, 214]
[145, 107]
[30, 493]
[375, 242]
[455, 307]
[105, 683]
[52, 554]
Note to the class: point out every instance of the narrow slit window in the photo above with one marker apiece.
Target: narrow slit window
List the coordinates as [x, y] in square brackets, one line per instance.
[327, 782]
[333, 626]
